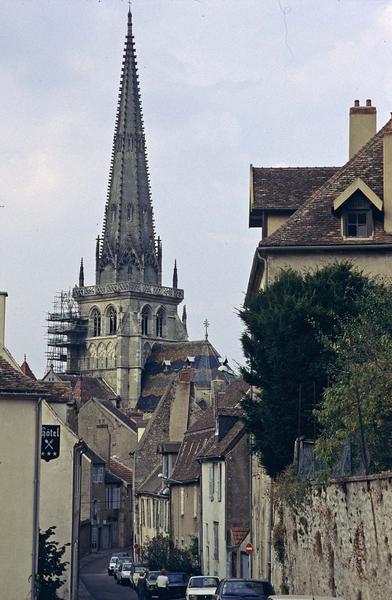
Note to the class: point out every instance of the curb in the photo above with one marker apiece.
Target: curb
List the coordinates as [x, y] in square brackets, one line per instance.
[83, 594]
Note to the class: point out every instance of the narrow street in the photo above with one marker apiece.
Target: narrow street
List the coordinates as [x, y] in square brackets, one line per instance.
[100, 586]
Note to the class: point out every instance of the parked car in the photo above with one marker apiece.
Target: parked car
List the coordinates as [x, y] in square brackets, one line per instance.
[252, 589]
[177, 585]
[138, 569]
[201, 588]
[124, 572]
[120, 560]
[151, 584]
[112, 564]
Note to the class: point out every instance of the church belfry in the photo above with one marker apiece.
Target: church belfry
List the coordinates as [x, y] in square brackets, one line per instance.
[127, 310]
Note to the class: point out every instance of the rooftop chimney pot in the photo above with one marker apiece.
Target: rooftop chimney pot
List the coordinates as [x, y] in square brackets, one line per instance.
[368, 102]
[356, 102]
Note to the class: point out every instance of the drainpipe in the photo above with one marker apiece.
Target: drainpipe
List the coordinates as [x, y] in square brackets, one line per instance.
[78, 450]
[36, 484]
[270, 534]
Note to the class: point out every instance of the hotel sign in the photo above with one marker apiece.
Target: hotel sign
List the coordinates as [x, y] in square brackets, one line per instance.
[50, 442]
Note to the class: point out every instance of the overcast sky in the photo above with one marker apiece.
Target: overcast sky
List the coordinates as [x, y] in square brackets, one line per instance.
[224, 83]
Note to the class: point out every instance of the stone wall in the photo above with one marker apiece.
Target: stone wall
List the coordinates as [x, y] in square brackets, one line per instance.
[339, 542]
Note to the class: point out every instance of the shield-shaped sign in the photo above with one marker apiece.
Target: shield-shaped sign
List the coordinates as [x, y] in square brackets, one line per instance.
[50, 442]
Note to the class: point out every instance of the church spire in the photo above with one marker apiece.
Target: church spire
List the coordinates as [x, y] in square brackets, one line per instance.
[175, 276]
[81, 274]
[128, 249]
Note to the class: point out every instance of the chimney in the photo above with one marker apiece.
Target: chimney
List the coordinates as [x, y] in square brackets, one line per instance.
[363, 126]
[388, 179]
[3, 296]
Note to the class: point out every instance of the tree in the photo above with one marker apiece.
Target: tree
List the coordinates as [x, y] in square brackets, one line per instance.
[287, 358]
[358, 403]
[161, 553]
[50, 566]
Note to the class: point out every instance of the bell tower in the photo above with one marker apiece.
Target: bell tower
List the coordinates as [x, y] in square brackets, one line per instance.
[127, 309]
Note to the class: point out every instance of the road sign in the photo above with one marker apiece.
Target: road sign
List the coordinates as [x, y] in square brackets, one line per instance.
[249, 548]
[50, 442]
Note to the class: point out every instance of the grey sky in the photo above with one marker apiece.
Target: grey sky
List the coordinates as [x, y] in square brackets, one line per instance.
[224, 83]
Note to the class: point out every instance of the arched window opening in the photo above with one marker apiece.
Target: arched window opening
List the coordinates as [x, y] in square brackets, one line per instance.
[112, 314]
[130, 212]
[96, 323]
[146, 321]
[159, 322]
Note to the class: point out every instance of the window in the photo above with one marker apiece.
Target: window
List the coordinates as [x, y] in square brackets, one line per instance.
[129, 212]
[219, 482]
[145, 320]
[216, 540]
[212, 481]
[148, 513]
[358, 224]
[159, 323]
[182, 501]
[98, 473]
[142, 516]
[195, 502]
[112, 316]
[96, 323]
[113, 497]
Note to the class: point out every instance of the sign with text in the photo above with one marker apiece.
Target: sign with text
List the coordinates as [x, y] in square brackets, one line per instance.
[50, 442]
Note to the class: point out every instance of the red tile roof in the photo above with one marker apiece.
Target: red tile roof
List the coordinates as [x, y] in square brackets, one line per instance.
[25, 368]
[238, 534]
[12, 381]
[120, 470]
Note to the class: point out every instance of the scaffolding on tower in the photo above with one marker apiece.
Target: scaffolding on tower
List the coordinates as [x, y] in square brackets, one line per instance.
[65, 334]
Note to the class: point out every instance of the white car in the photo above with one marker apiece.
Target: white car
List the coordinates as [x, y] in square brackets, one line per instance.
[124, 573]
[112, 564]
[201, 587]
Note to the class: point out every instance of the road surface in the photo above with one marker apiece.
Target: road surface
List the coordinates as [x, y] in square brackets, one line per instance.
[96, 580]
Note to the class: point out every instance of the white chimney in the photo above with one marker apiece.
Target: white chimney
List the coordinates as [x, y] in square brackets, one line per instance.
[363, 126]
[388, 180]
[3, 296]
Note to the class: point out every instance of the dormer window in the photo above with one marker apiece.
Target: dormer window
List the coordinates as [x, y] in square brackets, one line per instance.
[356, 206]
[357, 217]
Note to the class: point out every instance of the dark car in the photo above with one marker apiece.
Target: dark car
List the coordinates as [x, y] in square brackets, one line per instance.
[178, 583]
[253, 589]
[151, 584]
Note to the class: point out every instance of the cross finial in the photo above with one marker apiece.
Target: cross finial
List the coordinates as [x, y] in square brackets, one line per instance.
[129, 5]
[206, 324]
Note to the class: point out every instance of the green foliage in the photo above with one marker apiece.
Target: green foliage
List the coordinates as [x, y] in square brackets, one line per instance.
[289, 491]
[358, 403]
[50, 566]
[278, 542]
[161, 553]
[287, 358]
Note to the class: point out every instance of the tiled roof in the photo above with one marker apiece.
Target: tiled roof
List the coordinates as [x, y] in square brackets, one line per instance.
[287, 187]
[12, 381]
[152, 484]
[60, 392]
[187, 467]
[168, 359]
[87, 387]
[238, 534]
[25, 368]
[315, 223]
[214, 448]
[199, 440]
[119, 415]
[120, 470]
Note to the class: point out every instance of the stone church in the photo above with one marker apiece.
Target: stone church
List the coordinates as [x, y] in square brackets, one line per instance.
[125, 329]
[108, 329]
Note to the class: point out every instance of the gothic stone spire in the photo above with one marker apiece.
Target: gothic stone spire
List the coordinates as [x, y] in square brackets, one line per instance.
[128, 249]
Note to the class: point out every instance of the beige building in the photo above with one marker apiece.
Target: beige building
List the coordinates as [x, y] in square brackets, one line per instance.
[313, 215]
[310, 216]
[60, 496]
[20, 447]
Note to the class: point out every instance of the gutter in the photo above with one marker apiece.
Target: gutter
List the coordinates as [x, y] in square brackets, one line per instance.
[326, 248]
[259, 268]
